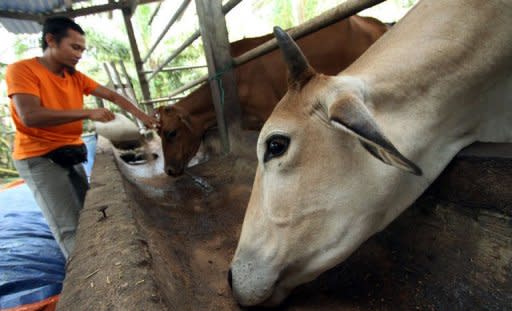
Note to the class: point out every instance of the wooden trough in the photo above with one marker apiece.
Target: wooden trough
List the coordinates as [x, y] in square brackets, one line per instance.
[166, 243]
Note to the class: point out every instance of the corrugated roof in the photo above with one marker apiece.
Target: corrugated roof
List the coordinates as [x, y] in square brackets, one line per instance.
[31, 6]
[20, 26]
[28, 6]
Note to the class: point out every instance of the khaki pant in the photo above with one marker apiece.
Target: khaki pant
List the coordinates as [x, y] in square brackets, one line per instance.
[60, 194]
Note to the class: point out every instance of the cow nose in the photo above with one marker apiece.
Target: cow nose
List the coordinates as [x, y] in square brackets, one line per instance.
[230, 279]
[172, 171]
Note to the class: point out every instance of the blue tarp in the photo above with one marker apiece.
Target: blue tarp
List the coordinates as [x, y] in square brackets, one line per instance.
[32, 266]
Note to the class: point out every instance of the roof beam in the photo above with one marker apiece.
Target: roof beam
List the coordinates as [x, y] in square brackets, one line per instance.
[119, 5]
[22, 16]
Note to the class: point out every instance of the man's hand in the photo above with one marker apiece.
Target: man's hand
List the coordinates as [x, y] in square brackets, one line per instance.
[151, 122]
[102, 92]
[101, 114]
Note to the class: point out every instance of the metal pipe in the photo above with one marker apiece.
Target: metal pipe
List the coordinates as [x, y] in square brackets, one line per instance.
[167, 69]
[175, 17]
[144, 86]
[121, 86]
[183, 46]
[160, 100]
[128, 81]
[188, 86]
[109, 75]
[225, 9]
[155, 12]
[118, 78]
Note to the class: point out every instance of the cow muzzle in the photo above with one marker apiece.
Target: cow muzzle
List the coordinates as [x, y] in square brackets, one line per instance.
[174, 171]
[252, 285]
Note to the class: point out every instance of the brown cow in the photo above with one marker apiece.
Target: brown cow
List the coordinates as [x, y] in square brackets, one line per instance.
[261, 83]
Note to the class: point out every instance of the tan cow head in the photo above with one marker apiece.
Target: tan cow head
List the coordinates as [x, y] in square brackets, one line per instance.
[176, 130]
[320, 188]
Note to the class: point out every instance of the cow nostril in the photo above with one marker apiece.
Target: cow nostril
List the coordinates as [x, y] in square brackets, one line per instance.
[230, 279]
[169, 172]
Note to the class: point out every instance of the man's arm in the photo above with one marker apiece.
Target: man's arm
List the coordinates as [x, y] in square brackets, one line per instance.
[125, 104]
[32, 114]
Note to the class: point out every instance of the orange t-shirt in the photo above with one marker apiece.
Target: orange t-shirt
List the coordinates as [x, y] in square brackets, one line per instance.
[55, 92]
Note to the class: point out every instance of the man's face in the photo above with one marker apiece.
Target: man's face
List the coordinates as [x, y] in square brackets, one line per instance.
[69, 50]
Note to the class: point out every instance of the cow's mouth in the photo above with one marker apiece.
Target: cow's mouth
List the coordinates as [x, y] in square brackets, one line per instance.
[270, 300]
[174, 171]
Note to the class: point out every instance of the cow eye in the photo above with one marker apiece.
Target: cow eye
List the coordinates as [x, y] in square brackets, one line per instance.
[276, 146]
[170, 134]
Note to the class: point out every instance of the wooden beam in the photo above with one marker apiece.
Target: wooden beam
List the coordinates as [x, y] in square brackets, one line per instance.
[214, 33]
[131, 6]
[123, 91]
[23, 16]
[68, 4]
[162, 100]
[128, 81]
[155, 12]
[136, 58]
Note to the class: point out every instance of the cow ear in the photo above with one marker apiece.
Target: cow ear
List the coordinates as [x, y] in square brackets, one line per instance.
[186, 120]
[350, 114]
[184, 116]
[299, 70]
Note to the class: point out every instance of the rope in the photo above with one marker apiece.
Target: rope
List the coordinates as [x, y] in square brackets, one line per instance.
[218, 76]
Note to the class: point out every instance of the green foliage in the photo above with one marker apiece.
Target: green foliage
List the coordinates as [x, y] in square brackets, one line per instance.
[24, 43]
[20, 47]
[2, 72]
[283, 14]
[142, 16]
[103, 48]
[7, 169]
[165, 82]
[310, 8]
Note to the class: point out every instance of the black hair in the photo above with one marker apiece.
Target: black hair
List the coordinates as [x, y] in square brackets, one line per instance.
[58, 26]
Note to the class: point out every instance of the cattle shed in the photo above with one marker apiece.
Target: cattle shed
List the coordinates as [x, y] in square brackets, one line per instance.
[148, 241]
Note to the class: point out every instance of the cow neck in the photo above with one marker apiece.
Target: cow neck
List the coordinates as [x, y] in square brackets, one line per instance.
[433, 111]
[200, 108]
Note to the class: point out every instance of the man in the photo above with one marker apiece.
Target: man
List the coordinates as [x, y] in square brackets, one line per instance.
[47, 108]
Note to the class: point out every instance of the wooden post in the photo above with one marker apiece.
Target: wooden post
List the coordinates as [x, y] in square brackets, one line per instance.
[99, 102]
[220, 69]
[123, 91]
[136, 57]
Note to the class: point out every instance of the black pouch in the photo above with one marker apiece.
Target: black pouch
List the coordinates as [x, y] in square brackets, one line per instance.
[68, 156]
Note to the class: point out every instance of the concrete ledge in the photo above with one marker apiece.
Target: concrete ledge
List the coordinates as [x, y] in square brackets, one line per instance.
[110, 269]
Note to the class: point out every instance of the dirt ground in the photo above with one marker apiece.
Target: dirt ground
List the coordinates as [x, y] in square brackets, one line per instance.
[166, 244]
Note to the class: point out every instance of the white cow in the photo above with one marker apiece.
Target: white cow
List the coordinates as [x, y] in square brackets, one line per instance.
[436, 82]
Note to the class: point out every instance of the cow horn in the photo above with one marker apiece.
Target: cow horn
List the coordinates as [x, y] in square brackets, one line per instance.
[300, 72]
[350, 114]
